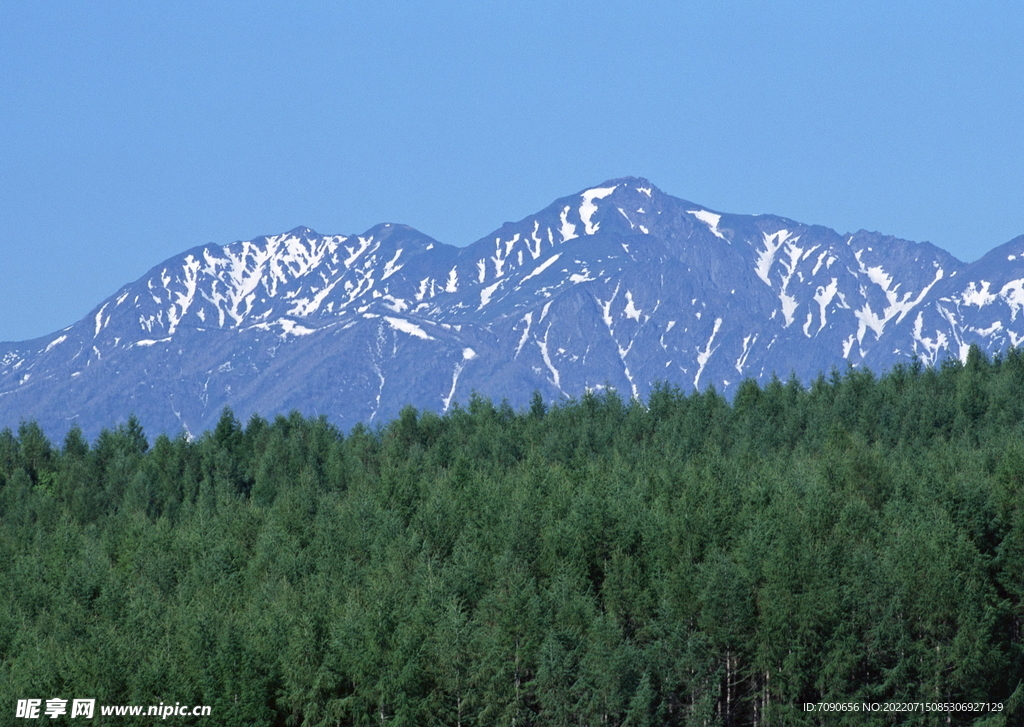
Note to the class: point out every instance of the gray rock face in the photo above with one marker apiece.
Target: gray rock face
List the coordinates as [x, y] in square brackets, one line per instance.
[620, 285]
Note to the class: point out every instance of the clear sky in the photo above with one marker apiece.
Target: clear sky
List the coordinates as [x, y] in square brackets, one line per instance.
[132, 131]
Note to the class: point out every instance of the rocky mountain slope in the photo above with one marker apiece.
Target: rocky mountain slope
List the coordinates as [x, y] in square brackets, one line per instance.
[620, 285]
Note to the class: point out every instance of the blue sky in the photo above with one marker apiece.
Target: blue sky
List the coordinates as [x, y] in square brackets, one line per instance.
[130, 132]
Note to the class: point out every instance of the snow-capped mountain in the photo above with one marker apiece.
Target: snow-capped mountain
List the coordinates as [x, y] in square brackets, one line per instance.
[619, 285]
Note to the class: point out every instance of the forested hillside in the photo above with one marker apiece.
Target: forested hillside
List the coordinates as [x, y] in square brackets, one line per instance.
[684, 561]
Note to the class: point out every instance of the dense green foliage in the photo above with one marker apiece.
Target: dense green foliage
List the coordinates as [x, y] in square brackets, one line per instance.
[689, 561]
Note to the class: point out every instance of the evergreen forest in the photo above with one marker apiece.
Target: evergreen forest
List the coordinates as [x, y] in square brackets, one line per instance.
[687, 560]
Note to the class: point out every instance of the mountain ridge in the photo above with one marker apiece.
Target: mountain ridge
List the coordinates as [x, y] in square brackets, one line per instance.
[617, 285]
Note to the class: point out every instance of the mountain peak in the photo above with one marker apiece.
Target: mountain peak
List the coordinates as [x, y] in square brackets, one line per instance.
[630, 181]
[303, 231]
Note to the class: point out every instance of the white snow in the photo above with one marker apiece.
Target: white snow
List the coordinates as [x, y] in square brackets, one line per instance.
[498, 257]
[250, 269]
[447, 400]
[644, 190]
[543, 346]
[977, 296]
[542, 267]
[1011, 257]
[823, 296]
[544, 310]
[848, 345]
[398, 305]
[452, 285]
[996, 326]
[390, 268]
[486, 293]
[307, 306]
[876, 274]
[528, 319]
[629, 378]
[99, 320]
[380, 375]
[789, 306]
[1013, 294]
[588, 208]
[710, 219]
[355, 252]
[567, 230]
[291, 328]
[631, 310]
[807, 324]
[644, 230]
[468, 354]
[150, 342]
[181, 301]
[764, 263]
[896, 306]
[703, 356]
[941, 341]
[606, 308]
[582, 277]
[817, 265]
[55, 342]
[537, 241]
[748, 344]
[401, 324]
[766, 257]
[868, 319]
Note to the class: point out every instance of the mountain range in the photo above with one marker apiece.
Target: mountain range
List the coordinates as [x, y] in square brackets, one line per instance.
[619, 285]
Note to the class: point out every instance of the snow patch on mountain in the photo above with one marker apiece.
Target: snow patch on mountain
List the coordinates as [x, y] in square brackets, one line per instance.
[748, 344]
[527, 319]
[1013, 294]
[390, 268]
[567, 229]
[631, 310]
[542, 344]
[588, 208]
[487, 293]
[772, 243]
[710, 219]
[704, 356]
[406, 326]
[542, 267]
[55, 342]
[977, 296]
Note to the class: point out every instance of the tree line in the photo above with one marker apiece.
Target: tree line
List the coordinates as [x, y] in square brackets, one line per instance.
[681, 561]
